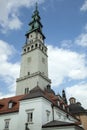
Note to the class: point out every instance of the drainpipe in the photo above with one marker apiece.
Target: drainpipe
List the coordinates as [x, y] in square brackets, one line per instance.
[52, 111]
[26, 126]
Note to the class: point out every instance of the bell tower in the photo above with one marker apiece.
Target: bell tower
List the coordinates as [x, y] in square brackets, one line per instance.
[34, 62]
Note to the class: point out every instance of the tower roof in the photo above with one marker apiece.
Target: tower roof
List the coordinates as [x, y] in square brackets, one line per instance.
[35, 24]
[76, 108]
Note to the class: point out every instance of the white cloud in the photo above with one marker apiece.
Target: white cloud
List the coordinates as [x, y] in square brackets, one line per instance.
[84, 6]
[9, 12]
[80, 94]
[65, 63]
[85, 28]
[82, 40]
[66, 44]
[6, 95]
[8, 70]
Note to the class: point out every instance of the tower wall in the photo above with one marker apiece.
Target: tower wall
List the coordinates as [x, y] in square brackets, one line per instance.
[34, 62]
[31, 81]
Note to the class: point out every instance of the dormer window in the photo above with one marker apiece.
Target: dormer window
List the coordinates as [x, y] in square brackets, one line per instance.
[58, 103]
[63, 106]
[10, 105]
[1, 106]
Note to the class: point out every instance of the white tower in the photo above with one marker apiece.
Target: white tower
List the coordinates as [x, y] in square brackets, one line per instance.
[34, 64]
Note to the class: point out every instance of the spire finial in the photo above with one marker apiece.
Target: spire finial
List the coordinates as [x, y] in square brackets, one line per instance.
[36, 6]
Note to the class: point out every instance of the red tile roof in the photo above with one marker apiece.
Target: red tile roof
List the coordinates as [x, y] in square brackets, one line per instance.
[4, 104]
[36, 92]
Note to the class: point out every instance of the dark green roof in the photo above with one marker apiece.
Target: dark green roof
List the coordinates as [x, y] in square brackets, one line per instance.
[35, 23]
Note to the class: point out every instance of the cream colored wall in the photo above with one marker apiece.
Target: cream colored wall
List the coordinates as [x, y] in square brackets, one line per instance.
[83, 119]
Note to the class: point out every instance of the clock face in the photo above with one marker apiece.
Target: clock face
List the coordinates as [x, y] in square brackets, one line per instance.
[29, 59]
[43, 60]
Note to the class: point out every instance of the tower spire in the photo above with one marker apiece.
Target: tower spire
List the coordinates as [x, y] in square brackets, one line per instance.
[36, 6]
[35, 24]
[34, 64]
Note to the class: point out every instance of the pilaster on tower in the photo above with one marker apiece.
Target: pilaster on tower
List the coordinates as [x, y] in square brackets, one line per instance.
[34, 62]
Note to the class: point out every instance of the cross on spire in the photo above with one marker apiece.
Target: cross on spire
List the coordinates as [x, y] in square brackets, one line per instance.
[36, 6]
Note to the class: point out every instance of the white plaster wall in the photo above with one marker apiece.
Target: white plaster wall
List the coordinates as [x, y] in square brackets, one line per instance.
[34, 35]
[62, 116]
[36, 105]
[13, 121]
[31, 83]
[46, 106]
[40, 106]
[35, 64]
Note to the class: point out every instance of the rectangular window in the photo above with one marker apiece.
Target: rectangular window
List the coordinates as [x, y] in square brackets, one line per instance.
[7, 124]
[48, 115]
[43, 60]
[26, 90]
[30, 114]
[30, 117]
[10, 105]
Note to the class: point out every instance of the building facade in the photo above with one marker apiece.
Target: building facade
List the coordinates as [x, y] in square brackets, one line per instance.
[78, 111]
[36, 106]
[34, 64]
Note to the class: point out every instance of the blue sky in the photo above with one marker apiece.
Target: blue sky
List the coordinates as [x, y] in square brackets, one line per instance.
[65, 27]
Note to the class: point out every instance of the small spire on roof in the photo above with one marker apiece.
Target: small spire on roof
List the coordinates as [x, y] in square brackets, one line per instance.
[64, 96]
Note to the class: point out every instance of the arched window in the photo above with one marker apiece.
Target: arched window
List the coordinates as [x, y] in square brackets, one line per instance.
[28, 48]
[36, 45]
[32, 46]
[24, 50]
[40, 46]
